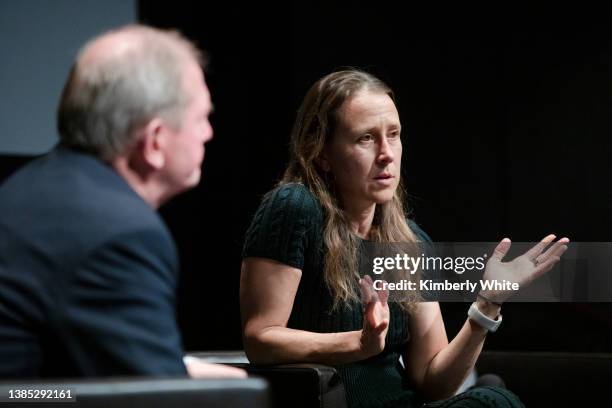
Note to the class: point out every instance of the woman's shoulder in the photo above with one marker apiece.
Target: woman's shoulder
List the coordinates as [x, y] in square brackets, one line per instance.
[292, 197]
[284, 226]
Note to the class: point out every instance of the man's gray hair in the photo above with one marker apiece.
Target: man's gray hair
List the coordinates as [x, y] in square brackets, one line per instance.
[107, 99]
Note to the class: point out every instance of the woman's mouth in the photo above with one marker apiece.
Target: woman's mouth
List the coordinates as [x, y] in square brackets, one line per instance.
[384, 179]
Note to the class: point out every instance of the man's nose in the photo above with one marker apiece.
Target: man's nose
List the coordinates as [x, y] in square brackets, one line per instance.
[207, 133]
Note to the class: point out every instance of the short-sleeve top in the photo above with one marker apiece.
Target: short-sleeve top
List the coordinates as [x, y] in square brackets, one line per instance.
[288, 228]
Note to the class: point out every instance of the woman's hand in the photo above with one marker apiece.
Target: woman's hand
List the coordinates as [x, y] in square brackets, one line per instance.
[375, 317]
[197, 368]
[523, 269]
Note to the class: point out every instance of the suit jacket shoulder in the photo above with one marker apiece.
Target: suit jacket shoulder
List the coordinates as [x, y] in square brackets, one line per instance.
[75, 237]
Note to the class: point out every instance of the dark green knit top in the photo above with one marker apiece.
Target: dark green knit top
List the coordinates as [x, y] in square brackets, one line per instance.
[288, 227]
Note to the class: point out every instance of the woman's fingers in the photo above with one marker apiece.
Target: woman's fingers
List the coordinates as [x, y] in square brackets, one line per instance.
[371, 316]
[557, 249]
[365, 297]
[369, 294]
[502, 249]
[539, 247]
[378, 330]
[375, 316]
[545, 266]
[369, 302]
[365, 289]
[383, 294]
[376, 322]
[546, 261]
[201, 369]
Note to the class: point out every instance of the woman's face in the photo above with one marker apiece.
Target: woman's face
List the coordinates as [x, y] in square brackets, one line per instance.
[365, 153]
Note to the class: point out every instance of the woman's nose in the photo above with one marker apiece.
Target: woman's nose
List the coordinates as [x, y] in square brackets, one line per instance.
[385, 153]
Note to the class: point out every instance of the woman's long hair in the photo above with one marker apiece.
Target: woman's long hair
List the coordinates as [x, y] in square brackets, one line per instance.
[314, 126]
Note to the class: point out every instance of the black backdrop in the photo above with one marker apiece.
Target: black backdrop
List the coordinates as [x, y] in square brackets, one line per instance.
[506, 133]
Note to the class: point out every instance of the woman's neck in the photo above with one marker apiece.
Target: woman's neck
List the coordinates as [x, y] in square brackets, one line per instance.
[360, 219]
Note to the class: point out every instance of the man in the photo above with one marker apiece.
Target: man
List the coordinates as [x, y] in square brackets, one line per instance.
[88, 270]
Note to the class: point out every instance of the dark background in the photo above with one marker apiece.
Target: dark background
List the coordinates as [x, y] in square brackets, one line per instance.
[506, 132]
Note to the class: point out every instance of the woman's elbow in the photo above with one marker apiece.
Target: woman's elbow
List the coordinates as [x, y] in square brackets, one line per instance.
[431, 386]
[257, 349]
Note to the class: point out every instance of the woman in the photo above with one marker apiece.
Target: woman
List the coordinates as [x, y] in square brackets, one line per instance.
[299, 283]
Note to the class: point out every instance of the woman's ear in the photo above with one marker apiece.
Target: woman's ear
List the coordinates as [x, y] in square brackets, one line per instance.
[323, 162]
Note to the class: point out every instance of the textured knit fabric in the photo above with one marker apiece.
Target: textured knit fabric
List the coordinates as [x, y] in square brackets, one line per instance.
[480, 397]
[288, 228]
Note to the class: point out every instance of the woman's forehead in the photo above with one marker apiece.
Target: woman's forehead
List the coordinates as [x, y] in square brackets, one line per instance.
[368, 108]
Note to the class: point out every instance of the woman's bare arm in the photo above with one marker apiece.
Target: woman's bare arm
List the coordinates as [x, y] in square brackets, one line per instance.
[267, 292]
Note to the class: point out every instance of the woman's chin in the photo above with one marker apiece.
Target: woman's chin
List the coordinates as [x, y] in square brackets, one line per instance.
[383, 197]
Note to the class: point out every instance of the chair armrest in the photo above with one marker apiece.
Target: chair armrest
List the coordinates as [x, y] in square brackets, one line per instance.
[294, 385]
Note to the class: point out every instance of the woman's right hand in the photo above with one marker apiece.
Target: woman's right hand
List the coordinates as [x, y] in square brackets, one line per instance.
[375, 317]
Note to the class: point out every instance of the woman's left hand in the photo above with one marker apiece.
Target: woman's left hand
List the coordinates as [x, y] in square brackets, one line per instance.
[523, 269]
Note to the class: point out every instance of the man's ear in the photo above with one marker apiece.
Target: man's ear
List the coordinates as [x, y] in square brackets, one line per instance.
[153, 142]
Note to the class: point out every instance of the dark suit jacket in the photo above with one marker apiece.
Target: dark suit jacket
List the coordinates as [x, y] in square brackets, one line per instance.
[88, 274]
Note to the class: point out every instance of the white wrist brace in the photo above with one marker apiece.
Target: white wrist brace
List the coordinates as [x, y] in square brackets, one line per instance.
[483, 320]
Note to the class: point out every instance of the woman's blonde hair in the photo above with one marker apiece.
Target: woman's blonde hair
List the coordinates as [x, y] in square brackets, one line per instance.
[314, 126]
